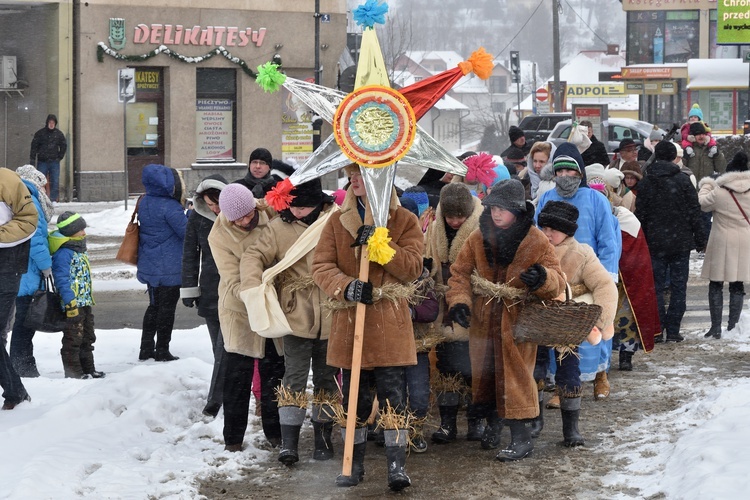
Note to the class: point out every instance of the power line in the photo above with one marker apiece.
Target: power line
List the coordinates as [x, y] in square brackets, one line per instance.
[522, 27]
[587, 24]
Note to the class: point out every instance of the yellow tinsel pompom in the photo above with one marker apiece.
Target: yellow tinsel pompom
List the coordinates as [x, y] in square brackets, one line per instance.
[378, 247]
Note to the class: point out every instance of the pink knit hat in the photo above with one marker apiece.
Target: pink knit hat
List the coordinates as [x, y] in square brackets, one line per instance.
[236, 201]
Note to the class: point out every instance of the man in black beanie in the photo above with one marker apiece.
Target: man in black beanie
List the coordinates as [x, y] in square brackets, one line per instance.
[515, 156]
[667, 206]
[259, 178]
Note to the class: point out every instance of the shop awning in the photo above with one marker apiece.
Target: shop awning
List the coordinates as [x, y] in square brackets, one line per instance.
[717, 74]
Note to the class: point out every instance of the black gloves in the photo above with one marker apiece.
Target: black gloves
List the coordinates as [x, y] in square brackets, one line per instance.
[363, 234]
[359, 291]
[192, 301]
[534, 277]
[460, 314]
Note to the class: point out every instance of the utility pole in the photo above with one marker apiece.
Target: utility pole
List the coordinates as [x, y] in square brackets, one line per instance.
[556, 97]
[317, 42]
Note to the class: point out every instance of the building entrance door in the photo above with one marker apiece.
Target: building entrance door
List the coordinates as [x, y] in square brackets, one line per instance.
[145, 126]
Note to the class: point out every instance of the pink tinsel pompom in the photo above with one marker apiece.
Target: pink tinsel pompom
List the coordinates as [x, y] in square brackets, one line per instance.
[480, 169]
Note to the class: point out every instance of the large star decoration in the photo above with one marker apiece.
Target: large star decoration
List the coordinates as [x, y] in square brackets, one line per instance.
[374, 126]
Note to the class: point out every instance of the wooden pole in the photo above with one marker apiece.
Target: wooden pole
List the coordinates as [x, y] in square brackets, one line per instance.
[359, 328]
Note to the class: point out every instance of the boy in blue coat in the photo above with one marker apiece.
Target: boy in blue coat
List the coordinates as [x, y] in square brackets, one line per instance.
[70, 267]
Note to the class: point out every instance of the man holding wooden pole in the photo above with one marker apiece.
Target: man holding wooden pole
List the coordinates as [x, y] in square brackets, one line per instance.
[372, 329]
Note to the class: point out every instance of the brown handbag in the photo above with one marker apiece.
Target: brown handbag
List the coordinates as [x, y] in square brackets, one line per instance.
[128, 252]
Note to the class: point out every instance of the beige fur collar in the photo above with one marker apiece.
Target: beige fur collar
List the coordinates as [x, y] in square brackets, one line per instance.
[446, 254]
[739, 182]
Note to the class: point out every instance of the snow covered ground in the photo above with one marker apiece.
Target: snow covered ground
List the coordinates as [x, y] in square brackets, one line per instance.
[140, 433]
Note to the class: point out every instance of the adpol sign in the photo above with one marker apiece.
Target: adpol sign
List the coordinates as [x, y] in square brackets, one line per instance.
[595, 90]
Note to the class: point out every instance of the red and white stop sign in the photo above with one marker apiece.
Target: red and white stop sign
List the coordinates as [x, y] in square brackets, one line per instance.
[541, 94]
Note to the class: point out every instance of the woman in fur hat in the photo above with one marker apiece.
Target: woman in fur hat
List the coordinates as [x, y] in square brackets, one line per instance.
[456, 218]
[506, 250]
[728, 197]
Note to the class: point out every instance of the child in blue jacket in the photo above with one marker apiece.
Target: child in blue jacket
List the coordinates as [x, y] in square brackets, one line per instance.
[72, 273]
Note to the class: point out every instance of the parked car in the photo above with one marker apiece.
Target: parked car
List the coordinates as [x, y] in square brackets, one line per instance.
[538, 127]
[619, 129]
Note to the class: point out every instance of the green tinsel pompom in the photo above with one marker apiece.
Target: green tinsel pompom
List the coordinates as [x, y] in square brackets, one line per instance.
[269, 77]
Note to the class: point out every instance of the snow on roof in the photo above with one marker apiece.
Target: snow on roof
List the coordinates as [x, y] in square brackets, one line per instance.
[717, 73]
[447, 103]
[585, 68]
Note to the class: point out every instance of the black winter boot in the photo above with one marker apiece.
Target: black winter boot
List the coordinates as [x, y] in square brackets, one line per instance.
[322, 421]
[291, 418]
[715, 308]
[395, 452]
[475, 429]
[520, 445]
[146, 354]
[571, 409]
[491, 436]
[448, 404]
[323, 444]
[626, 361]
[358, 458]
[736, 301]
[164, 355]
[674, 337]
[537, 424]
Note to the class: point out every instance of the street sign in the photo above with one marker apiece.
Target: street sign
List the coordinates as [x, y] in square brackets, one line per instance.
[542, 94]
[325, 18]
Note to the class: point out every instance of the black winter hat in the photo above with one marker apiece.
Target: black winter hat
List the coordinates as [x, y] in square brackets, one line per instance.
[307, 194]
[514, 133]
[624, 144]
[456, 200]
[69, 223]
[261, 154]
[665, 151]
[508, 194]
[559, 215]
[738, 163]
[697, 128]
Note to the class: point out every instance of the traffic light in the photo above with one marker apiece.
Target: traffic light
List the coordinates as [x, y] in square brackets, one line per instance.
[515, 66]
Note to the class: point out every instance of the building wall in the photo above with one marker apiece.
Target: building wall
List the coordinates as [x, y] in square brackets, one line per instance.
[101, 156]
[39, 35]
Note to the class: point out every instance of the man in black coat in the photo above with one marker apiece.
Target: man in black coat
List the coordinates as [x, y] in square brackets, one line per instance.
[514, 156]
[48, 147]
[667, 206]
[597, 152]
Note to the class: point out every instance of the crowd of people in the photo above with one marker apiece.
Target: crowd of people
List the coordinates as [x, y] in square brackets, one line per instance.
[281, 292]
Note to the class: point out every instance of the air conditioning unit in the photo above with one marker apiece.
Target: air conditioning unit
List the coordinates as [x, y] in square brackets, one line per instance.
[8, 74]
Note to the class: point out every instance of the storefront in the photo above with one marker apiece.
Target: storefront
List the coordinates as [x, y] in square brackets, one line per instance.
[671, 33]
[195, 105]
[720, 86]
[36, 78]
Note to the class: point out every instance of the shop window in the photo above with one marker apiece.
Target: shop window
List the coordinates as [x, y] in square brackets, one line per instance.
[215, 114]
[662, 37]
[743, 108]
[720, 110]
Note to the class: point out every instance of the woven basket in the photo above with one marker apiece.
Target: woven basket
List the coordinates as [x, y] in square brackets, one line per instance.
[555, 322]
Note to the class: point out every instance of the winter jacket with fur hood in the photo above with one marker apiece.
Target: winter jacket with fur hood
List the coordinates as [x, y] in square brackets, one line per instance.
[228, 244]
[443, 256]
[502, 370]
[200, 278]
[162, 227]
[388, 334]
[727, 255]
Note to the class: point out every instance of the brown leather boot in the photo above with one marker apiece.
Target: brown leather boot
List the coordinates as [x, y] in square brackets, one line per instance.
[601, 386]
